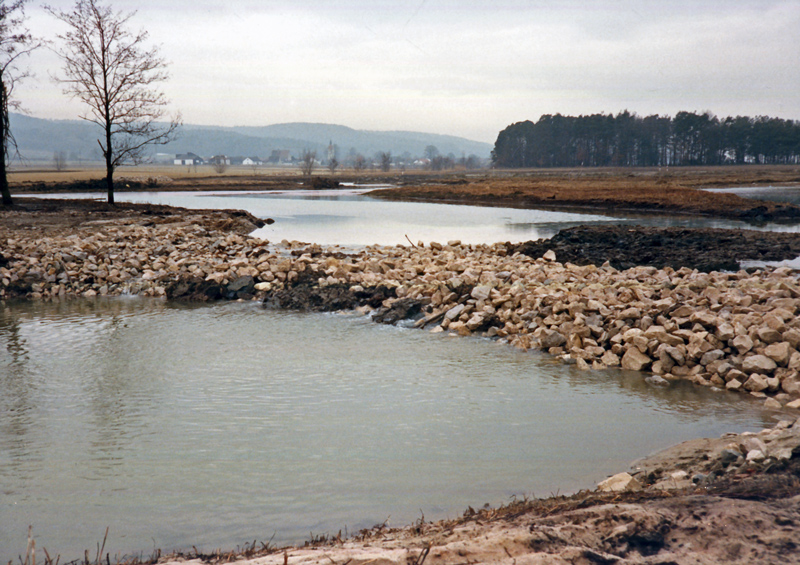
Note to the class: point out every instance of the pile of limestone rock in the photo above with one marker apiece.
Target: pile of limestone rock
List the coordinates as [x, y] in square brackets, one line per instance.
[733, 330]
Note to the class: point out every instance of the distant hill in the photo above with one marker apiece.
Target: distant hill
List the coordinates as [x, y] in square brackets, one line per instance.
[40, 139]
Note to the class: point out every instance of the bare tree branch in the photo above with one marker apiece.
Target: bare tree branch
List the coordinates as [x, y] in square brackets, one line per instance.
[107, 67]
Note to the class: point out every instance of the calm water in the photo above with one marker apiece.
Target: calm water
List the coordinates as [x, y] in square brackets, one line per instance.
[348, 218]
[217, 425]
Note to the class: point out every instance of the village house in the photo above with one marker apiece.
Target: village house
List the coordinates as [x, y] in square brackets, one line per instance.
[188, 159]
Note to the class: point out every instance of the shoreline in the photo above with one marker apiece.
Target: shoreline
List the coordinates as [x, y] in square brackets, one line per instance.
[642, 318]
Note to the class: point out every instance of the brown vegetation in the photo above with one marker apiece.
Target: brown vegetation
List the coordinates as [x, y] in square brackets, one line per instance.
[674, 191]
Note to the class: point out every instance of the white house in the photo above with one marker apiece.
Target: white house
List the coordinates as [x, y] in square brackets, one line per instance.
[188, 159]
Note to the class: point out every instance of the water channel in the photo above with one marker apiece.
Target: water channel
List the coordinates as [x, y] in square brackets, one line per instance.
[214, 426]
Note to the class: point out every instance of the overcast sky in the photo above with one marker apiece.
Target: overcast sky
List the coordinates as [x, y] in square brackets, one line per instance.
[454, 67]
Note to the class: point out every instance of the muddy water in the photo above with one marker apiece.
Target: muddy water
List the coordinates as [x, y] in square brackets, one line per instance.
[217, 425]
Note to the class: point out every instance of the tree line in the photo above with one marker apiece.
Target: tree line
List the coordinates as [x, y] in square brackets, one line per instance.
[629, 140]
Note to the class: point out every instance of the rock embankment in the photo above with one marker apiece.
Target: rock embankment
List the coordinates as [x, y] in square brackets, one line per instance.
[732, 330]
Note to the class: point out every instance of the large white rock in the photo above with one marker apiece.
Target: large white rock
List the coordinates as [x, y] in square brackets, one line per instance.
[454, 312]
[758, 364]
[779, 352]
[621, 482]
[635, 360]
[481, 292]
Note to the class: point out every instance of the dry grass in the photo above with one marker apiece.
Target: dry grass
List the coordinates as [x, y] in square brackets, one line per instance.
[674, 191]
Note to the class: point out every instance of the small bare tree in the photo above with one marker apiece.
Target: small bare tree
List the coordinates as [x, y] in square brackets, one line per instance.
[109, 69]
[333, 164]
[59, 160]
[359, 163]
[386, 161]
[308, 160]
[15, 42]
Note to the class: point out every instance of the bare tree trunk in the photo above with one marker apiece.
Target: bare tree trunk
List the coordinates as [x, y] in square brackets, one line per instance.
[4, 131]
[109, 162]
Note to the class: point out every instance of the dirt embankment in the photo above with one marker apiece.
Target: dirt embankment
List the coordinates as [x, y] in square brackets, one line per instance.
[41, 216]
[673, 192]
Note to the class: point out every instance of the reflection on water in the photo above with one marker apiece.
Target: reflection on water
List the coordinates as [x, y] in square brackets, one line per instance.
[347, 217]
[215, 425]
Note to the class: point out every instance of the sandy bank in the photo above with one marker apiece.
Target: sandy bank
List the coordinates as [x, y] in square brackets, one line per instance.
[672, 510]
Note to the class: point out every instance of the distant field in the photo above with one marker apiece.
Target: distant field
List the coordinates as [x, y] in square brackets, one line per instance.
[22, 175]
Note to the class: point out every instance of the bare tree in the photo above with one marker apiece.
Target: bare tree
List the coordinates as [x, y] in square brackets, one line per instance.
[386, 161]
[59, 160]
[108, 68]
[333, 164]
[308, 160]
[359, 163]
[15, 42]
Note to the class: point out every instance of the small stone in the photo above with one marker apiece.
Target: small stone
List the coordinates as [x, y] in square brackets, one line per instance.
[756, 383]
[743, 343]
[552, 338]
[711, 356]
[549, 255]
[772, 404]
[769, 335]
[753, 443]
[630, 314]
[481, 292]
[454, 312]
[756, 455]
[656, 380]
[733, 385]
[610, 359]
[728, 456]
[794, 404]
[725, 332]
